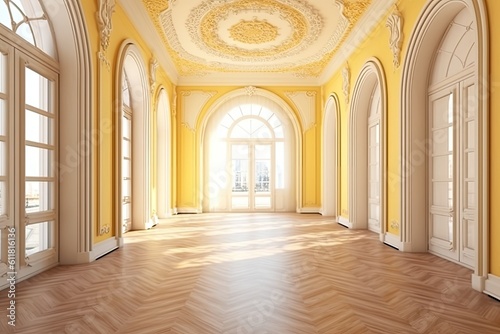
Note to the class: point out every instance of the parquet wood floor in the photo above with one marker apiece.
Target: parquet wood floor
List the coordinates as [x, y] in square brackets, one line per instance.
[253, 273]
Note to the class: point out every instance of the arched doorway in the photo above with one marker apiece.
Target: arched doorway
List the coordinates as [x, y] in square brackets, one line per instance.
[330, 157]
[132, 142]
[250, 156]
[367, 143]
[446, 69]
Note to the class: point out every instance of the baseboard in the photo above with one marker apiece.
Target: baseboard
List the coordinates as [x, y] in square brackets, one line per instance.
[188, 210]
[308, 210]
[104, 247]
[345, 222]
[492, 286]
[478, 282]
[392, 240]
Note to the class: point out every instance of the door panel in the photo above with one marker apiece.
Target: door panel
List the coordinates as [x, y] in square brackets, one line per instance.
[442, 221]
[374, 176]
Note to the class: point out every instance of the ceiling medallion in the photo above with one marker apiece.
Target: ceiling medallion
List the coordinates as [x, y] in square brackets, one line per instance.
[303, 20]
[253, 32]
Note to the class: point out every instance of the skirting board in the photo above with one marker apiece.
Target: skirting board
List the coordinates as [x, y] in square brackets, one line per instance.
[392, 240]
[492, 286]
[104, 247]
[188, 210]
[308, 210]
[345, 222]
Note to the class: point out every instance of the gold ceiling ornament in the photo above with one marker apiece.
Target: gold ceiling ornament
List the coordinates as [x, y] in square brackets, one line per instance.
[160, 12]
[304, 20]
[254, 31]
[354, 9]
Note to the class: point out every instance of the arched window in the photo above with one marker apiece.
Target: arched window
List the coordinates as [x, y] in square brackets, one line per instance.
[250, 159]
[28, 20]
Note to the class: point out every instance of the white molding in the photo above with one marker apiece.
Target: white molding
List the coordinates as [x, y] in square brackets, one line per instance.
[478, 282]
[492, 286]
[104, 247]
[359, 33]
[76, 137]
[305, 103]
[139, 17]
[188, 210]
[309, 210]
[392, 240]
[193, 102]
[345, 222]
[395, 25]
[104, 21]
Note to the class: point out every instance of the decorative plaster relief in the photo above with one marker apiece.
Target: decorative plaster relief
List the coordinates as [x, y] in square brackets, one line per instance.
[153, 66]
[192, 104]
[250, 90]
[346, 75]
[106, 9]
[394, 23]
[305, 102]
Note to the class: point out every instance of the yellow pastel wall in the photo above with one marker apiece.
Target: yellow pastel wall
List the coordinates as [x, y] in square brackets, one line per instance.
[188, 177]
[103, 113]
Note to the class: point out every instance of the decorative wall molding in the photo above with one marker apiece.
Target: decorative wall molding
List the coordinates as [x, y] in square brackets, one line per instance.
[346, 77]
[106, 9]
[395, 25]
[102, 57]
[250, 90]
[153, 66]
[305, 103]
[192, 104]
[174, 101]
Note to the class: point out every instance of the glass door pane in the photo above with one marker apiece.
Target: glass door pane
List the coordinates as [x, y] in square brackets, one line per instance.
[240, 156]
[442, 231]
[262, 176]
[374, 177]
[40, 154]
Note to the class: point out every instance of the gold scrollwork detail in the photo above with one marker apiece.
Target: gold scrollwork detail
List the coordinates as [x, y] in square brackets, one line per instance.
[254, 31]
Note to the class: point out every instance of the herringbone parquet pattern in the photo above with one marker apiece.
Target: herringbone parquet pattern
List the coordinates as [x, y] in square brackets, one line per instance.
[261, 273]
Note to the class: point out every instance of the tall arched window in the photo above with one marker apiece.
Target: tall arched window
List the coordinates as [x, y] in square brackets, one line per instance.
[28, 138]
[249, 161]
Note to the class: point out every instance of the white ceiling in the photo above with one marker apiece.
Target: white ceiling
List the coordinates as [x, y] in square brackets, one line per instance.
[253, 42]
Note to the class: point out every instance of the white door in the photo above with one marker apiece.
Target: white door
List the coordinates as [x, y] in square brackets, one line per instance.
[374, 176]
[252, 181]
[126, 170]
[452, 173]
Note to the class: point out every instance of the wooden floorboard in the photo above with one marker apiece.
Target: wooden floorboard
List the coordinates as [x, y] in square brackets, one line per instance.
[253, 273]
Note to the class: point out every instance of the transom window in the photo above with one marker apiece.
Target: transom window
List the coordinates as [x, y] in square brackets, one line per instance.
[28, 20]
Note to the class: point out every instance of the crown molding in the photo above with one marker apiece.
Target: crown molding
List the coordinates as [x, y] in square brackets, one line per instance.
[139, 17]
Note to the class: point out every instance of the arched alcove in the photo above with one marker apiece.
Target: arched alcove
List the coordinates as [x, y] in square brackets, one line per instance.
[132, 65]
[367, 150]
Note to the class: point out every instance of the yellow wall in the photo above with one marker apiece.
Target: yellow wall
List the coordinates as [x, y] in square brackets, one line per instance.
[104, 109]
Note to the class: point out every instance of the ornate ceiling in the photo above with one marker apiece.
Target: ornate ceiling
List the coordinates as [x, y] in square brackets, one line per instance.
[230, 41]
